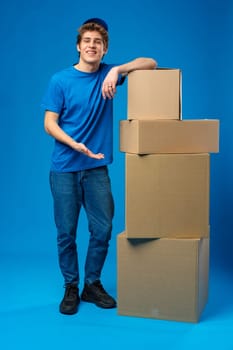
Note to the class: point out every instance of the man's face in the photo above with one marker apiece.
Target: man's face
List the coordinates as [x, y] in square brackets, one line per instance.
[91, 47]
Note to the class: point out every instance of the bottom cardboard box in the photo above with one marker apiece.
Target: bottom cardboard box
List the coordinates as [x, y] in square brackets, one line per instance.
[162, 278]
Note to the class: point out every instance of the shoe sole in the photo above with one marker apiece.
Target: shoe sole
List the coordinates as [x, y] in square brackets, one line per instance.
[99, 304]
[69, 312]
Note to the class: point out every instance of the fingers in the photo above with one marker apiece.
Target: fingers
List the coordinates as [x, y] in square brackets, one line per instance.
[94, 155]
[84, 150]
[108, 90]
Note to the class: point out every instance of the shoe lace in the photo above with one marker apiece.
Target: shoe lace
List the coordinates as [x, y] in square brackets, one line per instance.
[101, 289]
[71, 290]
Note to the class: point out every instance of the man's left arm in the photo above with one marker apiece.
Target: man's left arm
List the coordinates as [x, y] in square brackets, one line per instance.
[110, 82]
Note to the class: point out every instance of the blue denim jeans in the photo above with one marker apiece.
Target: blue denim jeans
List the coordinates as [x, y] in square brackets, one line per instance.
[92, 190]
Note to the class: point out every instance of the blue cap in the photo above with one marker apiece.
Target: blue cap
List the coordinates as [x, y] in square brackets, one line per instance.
[99, 21]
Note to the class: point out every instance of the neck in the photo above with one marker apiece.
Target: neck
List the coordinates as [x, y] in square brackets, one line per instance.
[87, 67]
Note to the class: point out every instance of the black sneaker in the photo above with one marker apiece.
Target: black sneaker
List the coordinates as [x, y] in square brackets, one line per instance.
[70, 301]
[95, 293]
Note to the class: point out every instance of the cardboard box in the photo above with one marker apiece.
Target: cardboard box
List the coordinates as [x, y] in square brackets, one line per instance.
[169, 136]
[167, 195]
[154, 94]
[162, 278]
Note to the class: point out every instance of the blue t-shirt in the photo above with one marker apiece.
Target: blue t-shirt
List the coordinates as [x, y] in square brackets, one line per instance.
[83, 114]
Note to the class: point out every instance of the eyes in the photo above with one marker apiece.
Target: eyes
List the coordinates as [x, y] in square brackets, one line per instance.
[92, 41]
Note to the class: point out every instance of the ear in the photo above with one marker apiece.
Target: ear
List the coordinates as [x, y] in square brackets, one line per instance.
[77, 47]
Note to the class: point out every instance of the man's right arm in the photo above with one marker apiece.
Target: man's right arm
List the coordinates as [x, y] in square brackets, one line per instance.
[53, 129]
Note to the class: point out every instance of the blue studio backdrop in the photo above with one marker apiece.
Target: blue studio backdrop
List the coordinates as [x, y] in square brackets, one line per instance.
[38, 38]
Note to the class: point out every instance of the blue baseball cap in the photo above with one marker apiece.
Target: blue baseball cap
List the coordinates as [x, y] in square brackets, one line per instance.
[99, 21]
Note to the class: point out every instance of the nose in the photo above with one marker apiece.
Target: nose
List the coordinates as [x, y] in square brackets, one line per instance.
[92, 43]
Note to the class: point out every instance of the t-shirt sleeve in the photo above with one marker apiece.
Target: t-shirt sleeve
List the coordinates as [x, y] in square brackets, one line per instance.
[53, 99]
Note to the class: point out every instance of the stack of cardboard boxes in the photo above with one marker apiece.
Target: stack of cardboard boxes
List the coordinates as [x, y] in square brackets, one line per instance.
[163, 255]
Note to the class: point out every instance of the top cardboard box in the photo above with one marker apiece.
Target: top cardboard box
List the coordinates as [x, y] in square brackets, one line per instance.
[154, 94]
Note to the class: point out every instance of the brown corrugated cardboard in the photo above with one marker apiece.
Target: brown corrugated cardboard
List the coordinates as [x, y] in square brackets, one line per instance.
[167, 195]
[169, 136]
[162, 278]
[154, 94]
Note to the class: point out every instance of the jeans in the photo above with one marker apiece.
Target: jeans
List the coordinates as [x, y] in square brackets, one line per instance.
[92, 190]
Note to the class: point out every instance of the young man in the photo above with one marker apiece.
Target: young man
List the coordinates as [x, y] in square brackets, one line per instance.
[79, 115]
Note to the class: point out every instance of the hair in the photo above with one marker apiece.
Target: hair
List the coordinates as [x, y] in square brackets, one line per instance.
[93, 27]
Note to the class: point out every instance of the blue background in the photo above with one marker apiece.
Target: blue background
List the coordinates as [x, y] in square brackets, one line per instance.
[38, 38]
